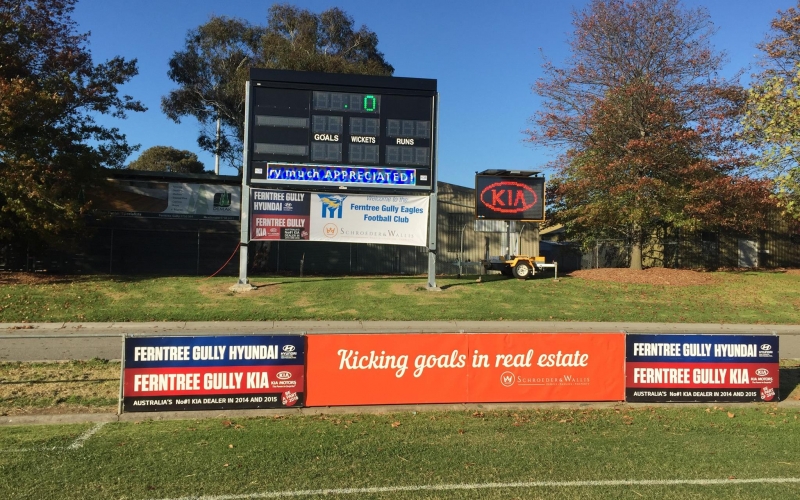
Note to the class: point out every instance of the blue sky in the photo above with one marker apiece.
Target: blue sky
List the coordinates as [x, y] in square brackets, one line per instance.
[485, 56]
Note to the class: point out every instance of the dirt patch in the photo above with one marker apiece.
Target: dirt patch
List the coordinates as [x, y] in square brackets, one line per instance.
[649, 276]
[56, 388]
[62, 409]
[12, 278]
[364, 287]
[403, 288]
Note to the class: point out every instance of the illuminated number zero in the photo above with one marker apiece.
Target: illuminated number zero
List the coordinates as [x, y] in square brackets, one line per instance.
[370, 103]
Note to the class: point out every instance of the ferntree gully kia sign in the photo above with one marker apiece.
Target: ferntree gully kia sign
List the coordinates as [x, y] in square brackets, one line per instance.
[464, 368]
[704, 368]
[213, 373]
[509, 198]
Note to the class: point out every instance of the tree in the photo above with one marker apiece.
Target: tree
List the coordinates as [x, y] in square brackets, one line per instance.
[167, 159]
[623, 180]
[214, 65]
[646, 127]
[772, 120]
[51, 147]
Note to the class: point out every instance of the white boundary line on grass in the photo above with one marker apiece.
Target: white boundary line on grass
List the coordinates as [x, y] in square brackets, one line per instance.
[77, 444]
[486, 486]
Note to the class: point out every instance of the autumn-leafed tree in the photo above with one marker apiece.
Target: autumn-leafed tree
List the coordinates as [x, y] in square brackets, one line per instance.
[772, 120]
[646, 128]
[666, 176]
[167, 159]
[214, 65]
[51, 146]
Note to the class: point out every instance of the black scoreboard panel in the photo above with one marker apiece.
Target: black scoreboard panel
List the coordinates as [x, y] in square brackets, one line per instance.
[347, 130]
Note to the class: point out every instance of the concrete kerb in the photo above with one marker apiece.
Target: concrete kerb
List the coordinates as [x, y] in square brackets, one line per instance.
[311, 326]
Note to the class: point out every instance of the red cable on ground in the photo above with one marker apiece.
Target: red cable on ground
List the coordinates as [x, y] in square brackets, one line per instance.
[227, 261]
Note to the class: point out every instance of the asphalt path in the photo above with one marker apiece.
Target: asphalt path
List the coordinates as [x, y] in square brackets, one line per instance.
[78, 341]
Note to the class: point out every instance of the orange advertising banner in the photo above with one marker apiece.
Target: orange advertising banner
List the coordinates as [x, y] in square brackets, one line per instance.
[370, 369]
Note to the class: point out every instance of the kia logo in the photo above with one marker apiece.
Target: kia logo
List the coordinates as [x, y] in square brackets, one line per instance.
[762, 372]
[508, 197]
[766, 347]
[284, 375]
[288, 348]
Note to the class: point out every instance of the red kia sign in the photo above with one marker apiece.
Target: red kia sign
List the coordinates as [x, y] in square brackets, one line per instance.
[509, 198]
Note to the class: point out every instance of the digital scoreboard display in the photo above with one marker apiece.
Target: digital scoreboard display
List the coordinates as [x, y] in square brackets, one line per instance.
[314, 129]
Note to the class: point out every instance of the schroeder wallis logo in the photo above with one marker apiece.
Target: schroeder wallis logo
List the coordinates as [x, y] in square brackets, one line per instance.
[507, 379]
[330, 230]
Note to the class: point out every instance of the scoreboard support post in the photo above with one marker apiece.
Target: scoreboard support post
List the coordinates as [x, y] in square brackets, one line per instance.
[434, 203]
[243, 284]
[432, 243]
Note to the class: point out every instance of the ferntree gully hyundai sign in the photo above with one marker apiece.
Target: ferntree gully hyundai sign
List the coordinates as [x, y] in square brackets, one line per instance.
[509, 198]
[213, 373]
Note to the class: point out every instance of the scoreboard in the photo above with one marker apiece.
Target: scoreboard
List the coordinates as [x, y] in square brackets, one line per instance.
[365, 133]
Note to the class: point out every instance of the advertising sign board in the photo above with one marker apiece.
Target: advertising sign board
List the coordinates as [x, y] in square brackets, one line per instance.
[172, 200]
[213, 373]
[509, 198]
[701, 368]
[372, 369]
[346, 218]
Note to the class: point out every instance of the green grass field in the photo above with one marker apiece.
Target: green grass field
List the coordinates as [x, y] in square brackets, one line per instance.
[735, 452]
[259, 457]
[733, 297]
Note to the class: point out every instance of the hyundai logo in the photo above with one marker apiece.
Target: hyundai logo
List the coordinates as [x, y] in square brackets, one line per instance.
[766, 347]
[289, 348]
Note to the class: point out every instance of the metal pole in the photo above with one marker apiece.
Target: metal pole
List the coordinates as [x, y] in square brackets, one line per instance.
[508, 240]
[111, 254]
[216, 151]
[432, 204]
[244, 219]
[461, 249]
[198, 253]
[121, 376]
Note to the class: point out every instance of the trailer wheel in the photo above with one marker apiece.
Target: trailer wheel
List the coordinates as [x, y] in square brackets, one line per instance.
[522, 270]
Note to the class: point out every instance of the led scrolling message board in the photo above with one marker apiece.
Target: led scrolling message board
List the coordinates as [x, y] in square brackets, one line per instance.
[358, 132]
[500, 197]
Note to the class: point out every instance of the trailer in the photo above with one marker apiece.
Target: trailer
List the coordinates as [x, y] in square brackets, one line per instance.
[519, 266]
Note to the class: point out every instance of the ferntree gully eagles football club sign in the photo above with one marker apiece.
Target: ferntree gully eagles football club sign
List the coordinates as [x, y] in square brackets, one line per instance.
[501, 197]
[350, 218]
